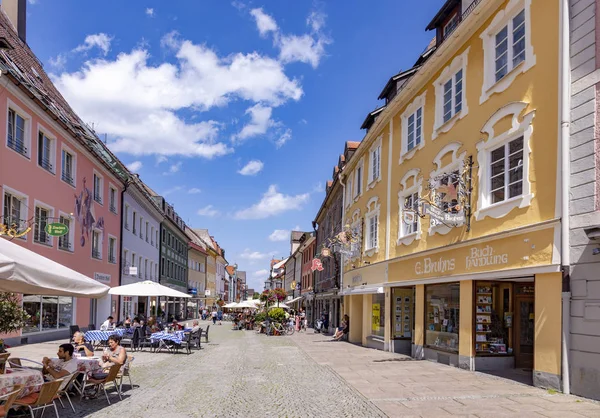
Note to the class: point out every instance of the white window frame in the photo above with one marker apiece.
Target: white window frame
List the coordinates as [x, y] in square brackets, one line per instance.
[23, 198]
[454, 19]
[115, 252]
[359, 182]
[416, 104]
[456, 164]
[101, 177]
[65, 148]
[374, 161]
[50, 209]
[373, 209]
[41, 129]
[459, 63]
[416, 187]
[100, 244]
[27, 134]
[518, 128]
[112, 187]
[504, 17]
[70, 234]
[152, 235]
[349, 192]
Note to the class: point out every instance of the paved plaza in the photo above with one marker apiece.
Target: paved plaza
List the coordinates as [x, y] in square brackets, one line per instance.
[243, 374]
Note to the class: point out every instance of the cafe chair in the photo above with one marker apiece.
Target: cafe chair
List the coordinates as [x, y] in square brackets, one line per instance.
[42, 399]
[111, 378]
[3, 360]
[132, 341]
[125, 372]
[7, 400]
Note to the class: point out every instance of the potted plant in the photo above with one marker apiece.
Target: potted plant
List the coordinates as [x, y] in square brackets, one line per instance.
[12, 315]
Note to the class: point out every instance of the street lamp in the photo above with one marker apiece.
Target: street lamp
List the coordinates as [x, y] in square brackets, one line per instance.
[293, 286]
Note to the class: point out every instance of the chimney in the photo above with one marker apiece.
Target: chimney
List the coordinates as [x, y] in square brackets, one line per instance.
[16, 12]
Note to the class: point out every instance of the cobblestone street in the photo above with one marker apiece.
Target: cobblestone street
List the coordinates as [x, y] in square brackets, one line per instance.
[243, 374]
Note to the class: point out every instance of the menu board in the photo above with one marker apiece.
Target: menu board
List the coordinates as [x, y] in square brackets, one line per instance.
[403, 313]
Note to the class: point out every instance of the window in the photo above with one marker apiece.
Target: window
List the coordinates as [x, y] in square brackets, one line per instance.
[67, 171]
[96, 245]
[97, 188]
[375, 162]
[358, 179]
[140, 267]
[504, 164]
[156, 242]
[15, 210]
[125, 258]
[155, 271]
[164, 236]
[17, 135]
[134, 223]
[141, 223]
[412, 121]
[133, 258]
[47, 313]
[147, 229]
[451, 25]
[372, 227]
[151, 235]
[112, 198]
[112, 250]
[411, 203]
[45, 152]
[442, 316]
[202, 268]
[41, 220]
[349, 192]
[378, 314]
[126, 217]
[507, 47]
[64, 242]
[145, 269]
[450, 95]
[162, 266]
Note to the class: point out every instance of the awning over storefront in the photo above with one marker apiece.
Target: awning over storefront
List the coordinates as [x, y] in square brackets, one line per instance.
[363, 290]
[23, 271]
[293, 300]
[326, 295]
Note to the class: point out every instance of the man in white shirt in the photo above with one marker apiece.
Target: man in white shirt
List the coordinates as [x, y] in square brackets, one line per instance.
[65, 365]
[108, 324]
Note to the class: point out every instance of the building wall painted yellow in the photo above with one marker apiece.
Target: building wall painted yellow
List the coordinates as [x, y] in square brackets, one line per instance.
[465, 338]
[548, 313]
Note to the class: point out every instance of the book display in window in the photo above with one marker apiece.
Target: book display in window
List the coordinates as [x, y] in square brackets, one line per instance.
[403, 313]
[488, 339]
[442, 316]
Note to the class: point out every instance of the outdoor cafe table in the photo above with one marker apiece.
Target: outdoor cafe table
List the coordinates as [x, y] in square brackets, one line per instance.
[84, 364]
[30, 379]
[160, 337]
[103, 335]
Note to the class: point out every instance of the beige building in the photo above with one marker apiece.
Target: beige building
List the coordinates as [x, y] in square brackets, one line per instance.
[197, 258]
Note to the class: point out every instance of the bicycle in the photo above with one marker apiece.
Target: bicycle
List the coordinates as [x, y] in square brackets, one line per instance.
[277, 328]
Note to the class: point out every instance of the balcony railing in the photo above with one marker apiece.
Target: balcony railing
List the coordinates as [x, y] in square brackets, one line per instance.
[96, 254]
[41, 237]
[97, 197]
[46, 164]
[66, 177]
[64, 244]
[113, 208]
[461, 18]
[112, 259]
[18, 146]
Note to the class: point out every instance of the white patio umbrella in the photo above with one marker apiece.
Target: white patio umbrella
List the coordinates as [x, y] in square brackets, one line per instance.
[23, 271]
[246, 304]
[281, 305]
[147, 288]
[231, 305]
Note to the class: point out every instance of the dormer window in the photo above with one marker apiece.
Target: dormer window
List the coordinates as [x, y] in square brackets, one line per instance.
[451, 25]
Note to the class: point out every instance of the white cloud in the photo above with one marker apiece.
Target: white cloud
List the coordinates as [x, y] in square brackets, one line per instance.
[260, 274]
[174, 168]
[318, 188]
[209, 211]
[135, 166]
[194, 190]
[58, 62]
[150, 11]
[98, 40]
[280, 235]
[252, 168]
[146, 121]
[284, 137]
[172, 190]
[250, 255]
[260, 121]
[161, 159]
[264, 22]
[273, 203]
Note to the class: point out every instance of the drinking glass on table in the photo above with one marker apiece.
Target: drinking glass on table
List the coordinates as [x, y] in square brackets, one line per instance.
[105, 355]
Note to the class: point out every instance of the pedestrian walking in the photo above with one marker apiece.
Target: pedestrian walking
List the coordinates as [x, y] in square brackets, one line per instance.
[214, 317]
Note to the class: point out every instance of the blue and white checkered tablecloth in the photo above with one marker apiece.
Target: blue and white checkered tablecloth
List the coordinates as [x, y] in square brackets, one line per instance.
[176, 337]
[103, 335]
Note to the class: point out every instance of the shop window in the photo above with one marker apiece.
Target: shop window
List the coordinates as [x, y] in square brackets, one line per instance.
[47, 313]
[492, 318]
[403, 308]
[378, 314]
[442, 316]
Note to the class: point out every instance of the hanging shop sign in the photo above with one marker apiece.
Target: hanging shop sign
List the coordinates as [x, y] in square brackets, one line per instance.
[56, 229]
[440, 216]
[317, 265]
[207, 292]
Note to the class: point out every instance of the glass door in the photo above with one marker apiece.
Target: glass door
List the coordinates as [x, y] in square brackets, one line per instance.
[524, 331]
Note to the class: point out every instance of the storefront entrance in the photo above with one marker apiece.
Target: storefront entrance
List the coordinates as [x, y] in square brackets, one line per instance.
[524, 328]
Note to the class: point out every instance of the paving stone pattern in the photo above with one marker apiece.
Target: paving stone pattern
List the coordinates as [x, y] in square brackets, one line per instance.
[238, 374]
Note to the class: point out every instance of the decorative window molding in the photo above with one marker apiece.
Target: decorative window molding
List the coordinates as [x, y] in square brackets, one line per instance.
[506, 33]
[112, 249]
[98, 187]
[412, 125]
[68, 165]
[15, 208]
[67, 242]
[113, 198]
[456, 164]
[371, 240]
[349, 192]
[451, 95]
[359, 177]
[97, 243]
[18, 129]
[522, 128]
[408, 233]
[46, 149]
[374, 164]
[43, 214]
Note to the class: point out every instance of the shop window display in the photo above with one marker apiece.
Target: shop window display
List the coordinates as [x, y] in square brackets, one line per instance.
[378, 315]
[443, 316]
[492, 319]
[402, 302]
[47, 313]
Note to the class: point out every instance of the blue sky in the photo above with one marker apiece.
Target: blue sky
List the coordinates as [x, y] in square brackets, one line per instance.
[235, 111]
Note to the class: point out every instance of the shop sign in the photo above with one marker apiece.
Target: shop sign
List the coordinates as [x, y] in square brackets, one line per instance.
[131, 271]
[207, 292]
[357, 279]
[56, 229]
[486, 256]
[440, 216]
[317, 265]
[376, 316]
[102, 277]
[432, 266]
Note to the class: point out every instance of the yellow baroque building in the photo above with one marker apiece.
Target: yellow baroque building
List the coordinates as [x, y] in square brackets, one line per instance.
[453, 198]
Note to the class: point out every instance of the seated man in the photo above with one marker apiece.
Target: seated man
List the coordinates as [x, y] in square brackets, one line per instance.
[108, 324]
[81, 347]
[196, 326]
[343, 330]
[65, 365]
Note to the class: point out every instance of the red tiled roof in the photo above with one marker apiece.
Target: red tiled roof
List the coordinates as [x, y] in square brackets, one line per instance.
[230, 270]
[352, 144]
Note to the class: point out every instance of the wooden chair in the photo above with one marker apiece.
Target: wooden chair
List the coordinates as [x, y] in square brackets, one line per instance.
[3, 360]
[15, 362]
[125, 372]
[111, 378]
[7, 400]
[66, 386]
[42, 399]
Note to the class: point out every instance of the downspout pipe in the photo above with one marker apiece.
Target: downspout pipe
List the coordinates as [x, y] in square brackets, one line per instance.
[127, 183]
[342, 256]
[565, 127]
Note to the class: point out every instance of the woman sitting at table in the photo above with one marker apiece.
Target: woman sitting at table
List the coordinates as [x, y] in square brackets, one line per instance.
[81, 347]
[115, 353]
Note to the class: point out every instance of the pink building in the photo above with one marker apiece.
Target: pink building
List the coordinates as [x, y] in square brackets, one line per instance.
[53, 169]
